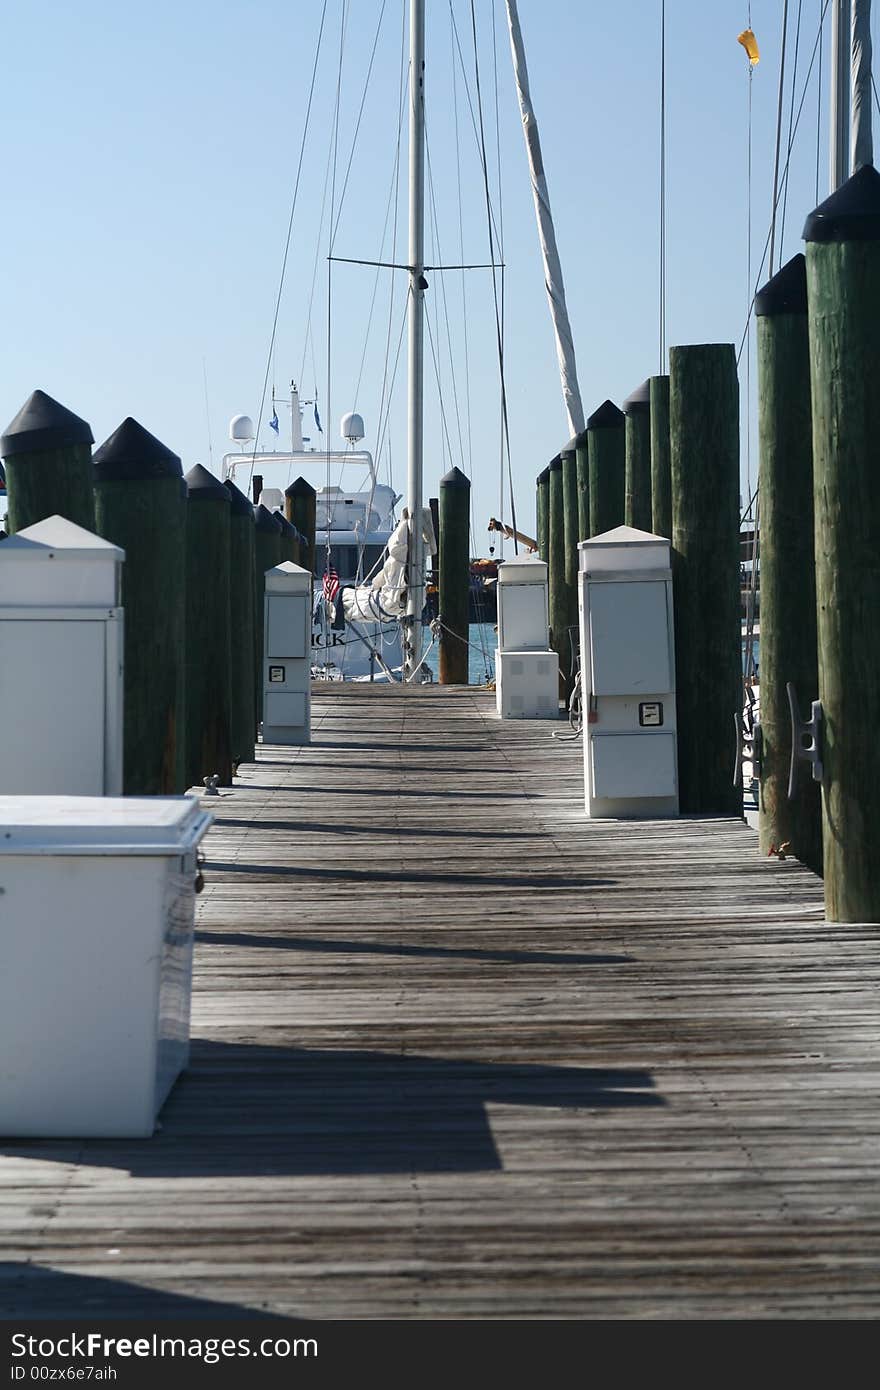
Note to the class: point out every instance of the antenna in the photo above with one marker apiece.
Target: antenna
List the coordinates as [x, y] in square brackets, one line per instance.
[352, 427]
[241, 430]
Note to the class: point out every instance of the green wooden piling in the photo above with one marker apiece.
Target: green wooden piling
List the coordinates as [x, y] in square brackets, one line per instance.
[788, 570]
[300, 507]
[637, 501]
[48, 465]
[242, 589]
[843, 282]
[559, 598]
[583, 485]
[208, 679]
[434, 566]
[606, 449]
[568, 456]
[454, 587]
[140, 505]
[543, 514]
[289, 540]
[661, 475]
[704, 433]
[267, 554]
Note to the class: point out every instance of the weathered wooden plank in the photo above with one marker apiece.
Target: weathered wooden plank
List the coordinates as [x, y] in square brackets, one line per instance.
[459, 1052]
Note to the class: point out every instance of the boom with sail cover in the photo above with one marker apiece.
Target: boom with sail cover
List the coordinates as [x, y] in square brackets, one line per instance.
[385, 597]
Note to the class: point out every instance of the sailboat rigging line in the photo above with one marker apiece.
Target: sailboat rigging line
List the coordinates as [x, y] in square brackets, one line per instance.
[395, 175]
[663, 187]
[208, 414]
[382, 425]
[357, 126]
[501, 247]
[329, 414]
[293, 203]
[778, 134]
[804, 89]
[443, 295]
[797, 47]
[402, 95]
[819, 118]
[748, 289]
[467, 90]
[445, 427]
[398, 265]
[500, 340]
[467, 368]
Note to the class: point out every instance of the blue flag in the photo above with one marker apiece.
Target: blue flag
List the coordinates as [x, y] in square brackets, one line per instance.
[318, 419]
[273, 423]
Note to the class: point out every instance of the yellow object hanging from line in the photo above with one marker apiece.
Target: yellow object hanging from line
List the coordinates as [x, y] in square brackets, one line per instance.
[750, 44]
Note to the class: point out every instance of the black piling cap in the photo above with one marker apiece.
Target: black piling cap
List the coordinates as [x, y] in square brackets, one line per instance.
[266, 521]
[42, 425]
[455, 478]
[543, 477]
[639, 400]
[786, 291]
[132, 453]
[852, 213]
[300, 488]
[568, 449]
[239, 503]
[202, 486]
[606, 417]
[287, 528]
[554, 464]
[579, 441]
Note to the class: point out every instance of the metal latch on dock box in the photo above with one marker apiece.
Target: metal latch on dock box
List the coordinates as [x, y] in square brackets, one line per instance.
[276, 675]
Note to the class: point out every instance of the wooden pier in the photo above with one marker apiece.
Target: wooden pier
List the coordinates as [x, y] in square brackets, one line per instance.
[458, 1052]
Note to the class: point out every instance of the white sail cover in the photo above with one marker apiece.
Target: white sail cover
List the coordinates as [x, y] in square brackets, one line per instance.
[546, 231]
[862, 140]
[384, 598]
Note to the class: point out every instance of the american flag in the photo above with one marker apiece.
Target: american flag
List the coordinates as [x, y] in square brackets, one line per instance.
[331, 583]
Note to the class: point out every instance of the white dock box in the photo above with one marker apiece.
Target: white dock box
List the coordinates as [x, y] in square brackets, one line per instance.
[628, 675]
[287, 632]
[96, 934]
[61, 662]
[526, 669]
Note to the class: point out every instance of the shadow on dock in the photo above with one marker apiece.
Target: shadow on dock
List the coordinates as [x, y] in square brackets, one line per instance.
[369, 948]
[37, 1292]
[534, 881]
[248, 1111]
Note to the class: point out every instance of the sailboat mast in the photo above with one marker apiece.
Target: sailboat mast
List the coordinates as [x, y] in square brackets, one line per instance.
[862, 138]
[416, 324]
[839, 102]
[546, 232]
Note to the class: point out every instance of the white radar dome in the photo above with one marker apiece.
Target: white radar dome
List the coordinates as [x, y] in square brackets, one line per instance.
[352, 427]
[241, 429]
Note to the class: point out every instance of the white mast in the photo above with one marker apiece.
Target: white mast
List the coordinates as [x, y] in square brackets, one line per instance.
[838, 142]
[862, 140]
[546, 231]
[416, 317]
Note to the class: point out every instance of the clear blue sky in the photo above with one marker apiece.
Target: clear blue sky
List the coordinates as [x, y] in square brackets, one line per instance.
[149, 159]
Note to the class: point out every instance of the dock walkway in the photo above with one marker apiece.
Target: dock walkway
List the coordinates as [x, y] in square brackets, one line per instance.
[459, 1052]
